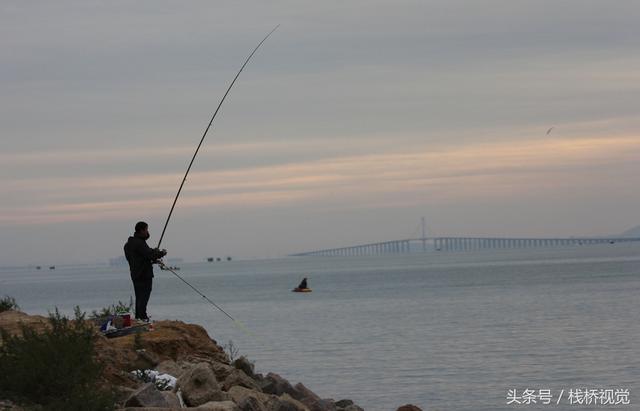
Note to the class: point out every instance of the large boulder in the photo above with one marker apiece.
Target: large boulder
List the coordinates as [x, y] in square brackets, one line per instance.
[325, 404]
[312, 401]
[305, 394]
[286, 403]
[347, 405]
[221, 370]
[171, 398]
[243, 396]
[251, 404]
[245, 366]
[175, 368]
[276, 385]
[199, 386]
[409, 407]
[146, 396]
[238, 377]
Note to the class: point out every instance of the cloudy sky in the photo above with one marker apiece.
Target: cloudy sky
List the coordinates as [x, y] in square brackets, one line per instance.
[354, 120]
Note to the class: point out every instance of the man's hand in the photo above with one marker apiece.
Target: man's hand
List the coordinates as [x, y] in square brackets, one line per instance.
[163, 252]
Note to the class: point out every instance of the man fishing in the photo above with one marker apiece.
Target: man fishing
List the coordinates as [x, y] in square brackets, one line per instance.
[141, 257]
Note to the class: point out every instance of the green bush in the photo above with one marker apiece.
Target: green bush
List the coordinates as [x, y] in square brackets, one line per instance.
[117, 308]
[8, 303]
[53, 369]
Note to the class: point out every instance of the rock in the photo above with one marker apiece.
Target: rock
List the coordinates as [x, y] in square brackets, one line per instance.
[251, 404]
[347, 405]
[145, 360]
[146, 396]
[305, 393]
[169, 340]
[174, 368]
[218, 406]
[287, 403]
[276, 385]
[409, 407]
[244, 365]
[199, 386]
[171, 398]
[121, 394]
[12, 321]
[343, 403]
[325, 404]
[221, 370]
[240, 395]
[312, 401]
[238, 377]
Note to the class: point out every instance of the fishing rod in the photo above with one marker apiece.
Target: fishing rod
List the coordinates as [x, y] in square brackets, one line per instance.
[184, 179]
[175, 200]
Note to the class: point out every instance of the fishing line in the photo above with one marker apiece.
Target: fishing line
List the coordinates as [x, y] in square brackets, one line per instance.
[238, 323]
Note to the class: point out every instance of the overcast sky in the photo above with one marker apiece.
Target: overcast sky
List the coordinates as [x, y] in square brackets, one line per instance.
[355, 119]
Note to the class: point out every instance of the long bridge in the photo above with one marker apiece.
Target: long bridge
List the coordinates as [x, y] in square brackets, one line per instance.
[429, 244]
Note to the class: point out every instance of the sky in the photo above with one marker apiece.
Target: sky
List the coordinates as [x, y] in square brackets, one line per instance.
[354, 120]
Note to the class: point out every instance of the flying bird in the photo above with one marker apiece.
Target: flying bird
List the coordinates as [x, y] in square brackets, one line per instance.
[549, 131]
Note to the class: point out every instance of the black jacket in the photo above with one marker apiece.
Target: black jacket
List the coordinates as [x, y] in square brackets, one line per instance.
[140, 256]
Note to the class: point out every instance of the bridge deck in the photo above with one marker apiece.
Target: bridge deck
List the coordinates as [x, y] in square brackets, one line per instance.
[459, 244]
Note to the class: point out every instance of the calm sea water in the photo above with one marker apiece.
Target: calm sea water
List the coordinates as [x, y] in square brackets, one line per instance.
[445, 331]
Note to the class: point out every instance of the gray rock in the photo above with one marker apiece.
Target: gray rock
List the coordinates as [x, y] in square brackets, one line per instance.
[121, 393]
[409, 407]
[146, 396]
[325, 404]
[218, 406]
[171, 398]
[305, 394]
[352, 407]
[199, 386]
[343, 403]
[276, 385]
[251, 404]
[286, 403]
[222, 371]
[238, 377]
[240, 395]
[245, 366]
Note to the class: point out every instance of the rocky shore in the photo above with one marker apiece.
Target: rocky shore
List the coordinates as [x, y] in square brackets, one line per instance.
[205, 378]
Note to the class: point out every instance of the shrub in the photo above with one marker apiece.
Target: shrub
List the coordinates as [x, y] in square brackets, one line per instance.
[119, 307]
[8, 303]
[53, 369]
[231, 349]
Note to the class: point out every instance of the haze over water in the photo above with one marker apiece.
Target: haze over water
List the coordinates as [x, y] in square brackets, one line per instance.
[445, 331]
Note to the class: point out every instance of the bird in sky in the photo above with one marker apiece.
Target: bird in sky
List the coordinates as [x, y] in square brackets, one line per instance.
[549, 131]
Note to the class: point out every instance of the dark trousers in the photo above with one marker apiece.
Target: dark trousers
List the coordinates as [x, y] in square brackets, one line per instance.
[142, 289]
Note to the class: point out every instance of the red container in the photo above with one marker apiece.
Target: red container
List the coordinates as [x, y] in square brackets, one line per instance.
[127, 320]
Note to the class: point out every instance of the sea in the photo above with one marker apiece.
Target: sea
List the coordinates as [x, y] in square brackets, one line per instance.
[529, 329]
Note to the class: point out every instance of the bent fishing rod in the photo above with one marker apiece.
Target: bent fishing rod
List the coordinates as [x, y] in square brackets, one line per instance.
[175, 200]
[184, 179]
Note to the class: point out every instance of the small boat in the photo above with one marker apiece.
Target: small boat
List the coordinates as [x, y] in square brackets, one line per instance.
[302, 287]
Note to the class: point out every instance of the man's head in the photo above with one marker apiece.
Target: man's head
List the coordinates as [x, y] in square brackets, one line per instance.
[142, 230]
